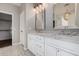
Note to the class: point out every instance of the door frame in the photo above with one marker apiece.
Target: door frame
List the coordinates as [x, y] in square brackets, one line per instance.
[7, 12]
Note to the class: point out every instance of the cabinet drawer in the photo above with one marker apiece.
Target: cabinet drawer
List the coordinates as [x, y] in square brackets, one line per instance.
[40, 48]
[38, 38]
[50, 50]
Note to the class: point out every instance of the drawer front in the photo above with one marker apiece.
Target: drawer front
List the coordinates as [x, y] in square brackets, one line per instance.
[40, 49]
[36, 45]
[35, 37]
[38, 38]
[50, 51]
[40, 46]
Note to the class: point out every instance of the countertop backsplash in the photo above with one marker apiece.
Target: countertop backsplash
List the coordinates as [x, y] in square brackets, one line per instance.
[73, 32]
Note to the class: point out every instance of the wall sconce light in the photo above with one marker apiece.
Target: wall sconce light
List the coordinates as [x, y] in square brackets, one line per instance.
[67, 12]
[66, 15]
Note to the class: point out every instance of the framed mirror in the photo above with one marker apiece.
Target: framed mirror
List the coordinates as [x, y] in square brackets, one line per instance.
[39, 17]
[65, 15]
[39, 21]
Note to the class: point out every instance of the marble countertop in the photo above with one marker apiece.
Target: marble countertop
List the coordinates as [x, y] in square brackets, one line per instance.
[68, 38]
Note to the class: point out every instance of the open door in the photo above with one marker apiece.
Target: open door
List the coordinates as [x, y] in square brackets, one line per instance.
[5, 30]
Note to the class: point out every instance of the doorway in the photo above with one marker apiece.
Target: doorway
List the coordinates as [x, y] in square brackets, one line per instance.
[5, 29]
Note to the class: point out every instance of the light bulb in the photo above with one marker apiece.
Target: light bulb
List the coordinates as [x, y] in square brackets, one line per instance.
[66, 15]
[40, 6]
[37, 8]
[34, 10]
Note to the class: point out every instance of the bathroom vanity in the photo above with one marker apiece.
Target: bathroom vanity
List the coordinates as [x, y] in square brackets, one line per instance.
[44, 44]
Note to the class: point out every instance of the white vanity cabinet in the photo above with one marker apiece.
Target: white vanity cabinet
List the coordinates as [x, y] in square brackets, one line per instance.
[44, 46]
[53, 49]
[36, 45]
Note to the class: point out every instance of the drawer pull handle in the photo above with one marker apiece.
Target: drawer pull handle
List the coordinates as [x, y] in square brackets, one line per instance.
[40, 46]
[57, 50]
[40, 39]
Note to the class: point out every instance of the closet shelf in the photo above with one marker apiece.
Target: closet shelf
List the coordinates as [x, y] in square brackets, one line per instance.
[5, 30]
[5, 20]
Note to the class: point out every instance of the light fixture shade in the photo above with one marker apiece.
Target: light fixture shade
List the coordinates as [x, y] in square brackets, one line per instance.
[66, 15]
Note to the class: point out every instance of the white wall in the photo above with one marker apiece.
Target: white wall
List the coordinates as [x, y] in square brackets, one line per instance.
[49, 17]
[30, 17]
[15, 22]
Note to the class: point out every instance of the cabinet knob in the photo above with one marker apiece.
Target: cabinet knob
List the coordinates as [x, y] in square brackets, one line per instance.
[57, 50]
[40, 46]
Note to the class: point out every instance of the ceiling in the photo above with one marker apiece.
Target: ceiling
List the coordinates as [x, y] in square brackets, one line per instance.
[16, 4]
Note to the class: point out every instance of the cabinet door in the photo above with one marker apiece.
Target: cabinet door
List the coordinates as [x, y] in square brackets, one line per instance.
[50, 50]
[64, 53]
[40, 48]
[30, 43]
[35, 46]
[32, 46]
